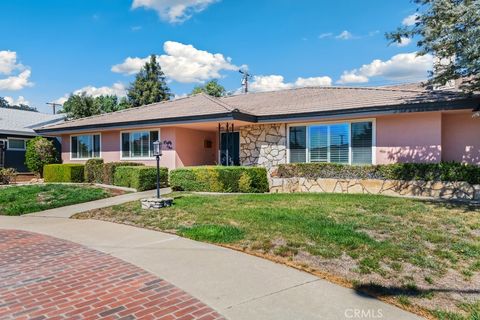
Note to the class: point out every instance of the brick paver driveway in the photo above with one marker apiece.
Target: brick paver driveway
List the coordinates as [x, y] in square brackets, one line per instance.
[47, 278]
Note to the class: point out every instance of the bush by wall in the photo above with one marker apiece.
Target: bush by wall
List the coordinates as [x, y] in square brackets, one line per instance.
[68, 172]
[140, 178]
[109, 169]
[94, 171]
[40, 151]
[7, 175]
[220, 179]
[444, 171]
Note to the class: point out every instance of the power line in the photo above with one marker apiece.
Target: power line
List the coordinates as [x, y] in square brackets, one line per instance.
[245, 78]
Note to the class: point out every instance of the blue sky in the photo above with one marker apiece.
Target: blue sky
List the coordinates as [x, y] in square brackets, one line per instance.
[51, 48]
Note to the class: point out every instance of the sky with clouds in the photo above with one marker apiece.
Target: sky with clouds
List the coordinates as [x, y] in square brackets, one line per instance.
[52, 48]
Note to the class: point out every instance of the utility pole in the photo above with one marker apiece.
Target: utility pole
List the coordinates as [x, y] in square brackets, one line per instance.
[54, 104]
[245, 78]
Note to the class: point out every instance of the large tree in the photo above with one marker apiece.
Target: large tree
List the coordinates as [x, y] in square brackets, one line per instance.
[450, 31]
[212, 88]
[80, 106]
[149, 85]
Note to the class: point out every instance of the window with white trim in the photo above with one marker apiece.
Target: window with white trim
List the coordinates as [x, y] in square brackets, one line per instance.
[16, 144]
[85, 146]
[345, 143]
[138, 144]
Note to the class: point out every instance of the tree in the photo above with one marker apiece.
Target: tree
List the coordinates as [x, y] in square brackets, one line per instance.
[149, 85]
[211, 88]
[40, 151]
[4, 104]
[80, 106]
[450, 31]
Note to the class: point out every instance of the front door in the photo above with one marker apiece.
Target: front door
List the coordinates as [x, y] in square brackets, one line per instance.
[230, 149]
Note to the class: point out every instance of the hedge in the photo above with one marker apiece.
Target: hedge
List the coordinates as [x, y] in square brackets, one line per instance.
[94, 171]
[444, 171]
[63, 172]
[220, 179]
[7, 175]
[109, 169]
[140, 178]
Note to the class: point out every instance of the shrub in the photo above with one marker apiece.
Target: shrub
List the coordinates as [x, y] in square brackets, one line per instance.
[444, 171]
[110, 167]
[140, 178]
[7, 175]
[220, 179]
[68, 172]
[39, 152]
[94, 170]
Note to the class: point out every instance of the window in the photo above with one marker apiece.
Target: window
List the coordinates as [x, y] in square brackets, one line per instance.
[85, 146]
[346, 143]
[16, 144]
[138, 144]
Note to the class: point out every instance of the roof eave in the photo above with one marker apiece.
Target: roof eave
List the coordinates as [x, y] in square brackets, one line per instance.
[233, 115]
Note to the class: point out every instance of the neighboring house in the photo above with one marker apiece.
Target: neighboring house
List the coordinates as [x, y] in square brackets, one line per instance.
[316, 124]
[16, 127]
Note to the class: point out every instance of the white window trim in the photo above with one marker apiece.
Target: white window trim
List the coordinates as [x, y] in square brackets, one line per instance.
[17, 149]
[133, 131]
[86, 134]
[307, 136]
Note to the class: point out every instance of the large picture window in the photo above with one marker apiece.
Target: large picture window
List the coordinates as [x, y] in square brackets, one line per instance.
[85, 146]
[346, 143]
[138, 144]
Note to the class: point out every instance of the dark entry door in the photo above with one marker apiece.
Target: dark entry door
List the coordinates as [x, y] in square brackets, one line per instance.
[230, 149]
[3, 146]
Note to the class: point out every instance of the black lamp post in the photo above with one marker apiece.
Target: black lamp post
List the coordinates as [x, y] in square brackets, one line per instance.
[157, 152]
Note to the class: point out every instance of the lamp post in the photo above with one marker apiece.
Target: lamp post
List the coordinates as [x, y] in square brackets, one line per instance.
[157, 152]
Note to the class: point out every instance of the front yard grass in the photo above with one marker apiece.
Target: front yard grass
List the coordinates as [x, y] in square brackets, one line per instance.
[18, 200]
[418, 254]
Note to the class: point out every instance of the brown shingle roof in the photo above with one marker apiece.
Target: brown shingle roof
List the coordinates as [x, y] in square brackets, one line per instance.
[264, 104]
[318, 99]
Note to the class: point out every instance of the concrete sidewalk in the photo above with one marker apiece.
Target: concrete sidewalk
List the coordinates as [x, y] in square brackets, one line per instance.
[237, 285]
[68, 211]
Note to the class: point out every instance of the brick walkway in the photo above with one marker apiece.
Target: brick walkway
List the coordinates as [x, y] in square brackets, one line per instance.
[47, 278]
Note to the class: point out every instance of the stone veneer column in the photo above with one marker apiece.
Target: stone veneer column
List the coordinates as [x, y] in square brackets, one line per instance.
[263, 145]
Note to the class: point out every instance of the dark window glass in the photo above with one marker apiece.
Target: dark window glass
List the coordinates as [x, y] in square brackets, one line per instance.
[318, 136]
[125, 144]
[96, 146]
[362, 138]
[298, 144]
[74, 147]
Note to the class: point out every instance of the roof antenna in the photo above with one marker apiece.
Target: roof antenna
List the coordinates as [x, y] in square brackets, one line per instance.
[54, 104]
[245, 78]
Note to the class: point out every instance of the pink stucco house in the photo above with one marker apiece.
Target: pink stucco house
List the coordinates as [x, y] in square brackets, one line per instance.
[316, 124]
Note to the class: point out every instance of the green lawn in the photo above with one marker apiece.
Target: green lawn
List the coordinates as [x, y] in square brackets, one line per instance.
[18, 200]
[423, 254]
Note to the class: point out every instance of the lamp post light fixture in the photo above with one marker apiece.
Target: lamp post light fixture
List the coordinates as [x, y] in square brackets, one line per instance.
[157, 152]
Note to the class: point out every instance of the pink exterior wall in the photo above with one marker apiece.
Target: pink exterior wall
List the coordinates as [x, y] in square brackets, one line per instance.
[413, 137]
[186, 148]
[461, 138]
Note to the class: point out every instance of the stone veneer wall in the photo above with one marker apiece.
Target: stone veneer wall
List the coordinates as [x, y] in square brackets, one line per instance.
[437, 189]
[263, 145]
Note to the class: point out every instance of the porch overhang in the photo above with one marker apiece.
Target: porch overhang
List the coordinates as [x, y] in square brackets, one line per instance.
[234, 115]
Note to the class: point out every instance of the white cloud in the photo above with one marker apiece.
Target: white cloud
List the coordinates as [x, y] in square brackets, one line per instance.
[130, 65]
[118, 89]
[19, 101]
[410, 20]
[8, 65]
[401, 67]
[403, 42]
[182, 63]
[313, 81]
[344, 35]
[277, 82]
[174, 11]
[325, 35]
[16, 82]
